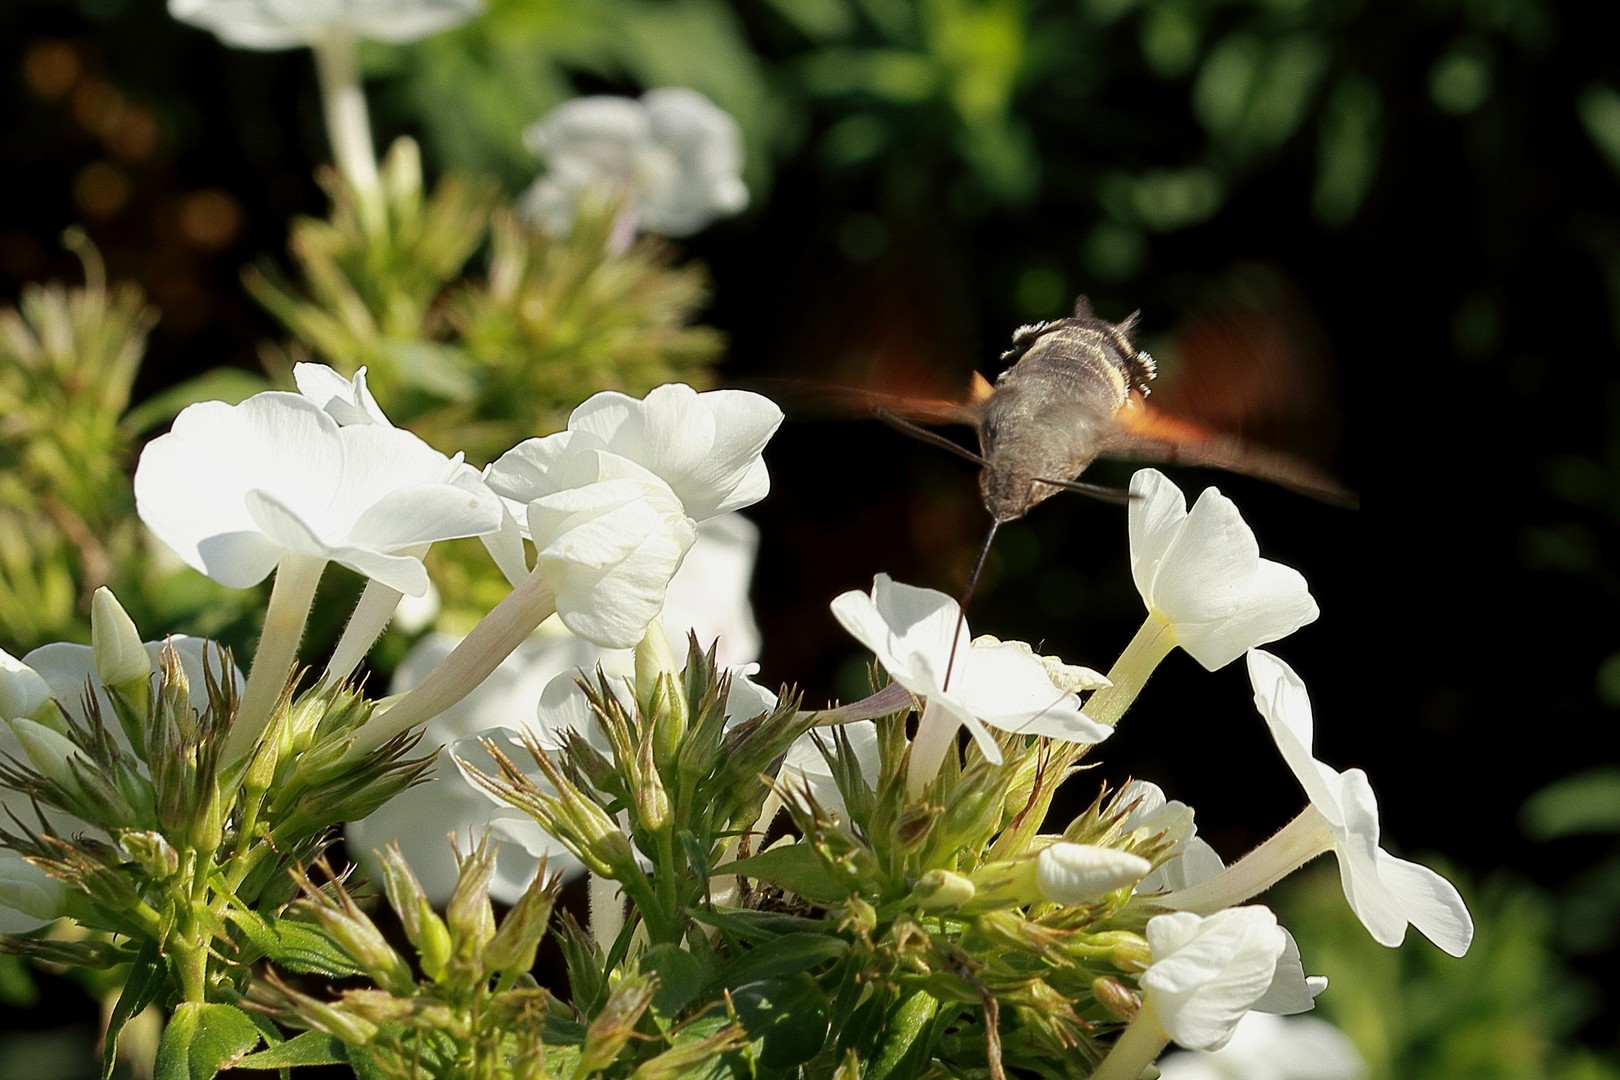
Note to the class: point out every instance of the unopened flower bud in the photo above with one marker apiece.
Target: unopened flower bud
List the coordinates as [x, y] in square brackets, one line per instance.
[513, 949]
[942, 890]
[151, 852]
[122, 662]
[615, 1023]
[652, 800]
[470, 916]
[422, 924]
[1067, 873]
[659, 692]
[50, 753]
[1116, 997]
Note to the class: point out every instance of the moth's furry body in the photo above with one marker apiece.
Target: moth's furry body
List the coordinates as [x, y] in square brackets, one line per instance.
[1053, 411]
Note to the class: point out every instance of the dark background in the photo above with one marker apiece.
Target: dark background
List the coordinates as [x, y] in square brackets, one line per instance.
[1457, 307]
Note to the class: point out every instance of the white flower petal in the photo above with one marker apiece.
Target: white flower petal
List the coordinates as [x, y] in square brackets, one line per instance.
[1201, 572]
[1207, 972]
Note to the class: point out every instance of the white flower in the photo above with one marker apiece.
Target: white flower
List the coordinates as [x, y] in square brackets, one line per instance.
[1201, 573]
[1069, 873]
[28, 896]
[674, 157]
[1386, 893]
[1266, 1047]
[709, 596]
[612, 504]
[233, 488]
[1190, 858]
[911, 631]
[286, 24]
[1208, 971]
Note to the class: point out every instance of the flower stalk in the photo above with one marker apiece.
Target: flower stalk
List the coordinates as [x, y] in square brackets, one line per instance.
[348, 123]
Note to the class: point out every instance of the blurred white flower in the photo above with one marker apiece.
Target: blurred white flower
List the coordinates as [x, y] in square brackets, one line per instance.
[1266, 1047]
[286, 24]
[911, 631]
[62, 672]
[234, 488]
[708, 596]
[1386, 893]
[674, 158]
[1200, 572]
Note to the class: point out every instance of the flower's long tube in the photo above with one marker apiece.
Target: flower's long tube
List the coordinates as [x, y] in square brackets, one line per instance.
[284, 619]
[1137, 1047]
[1291, 847]
[469, 664]
[1130, 672]
[377, 605]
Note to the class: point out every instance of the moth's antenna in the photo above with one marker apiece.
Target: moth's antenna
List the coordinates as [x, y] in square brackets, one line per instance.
[961, 613]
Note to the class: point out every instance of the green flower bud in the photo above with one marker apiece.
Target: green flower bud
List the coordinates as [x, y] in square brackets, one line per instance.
[1116, 997]
[615, 1024]
[152, 853]
[513, 949]
[942, 890]
[121, 658]
[422, 924]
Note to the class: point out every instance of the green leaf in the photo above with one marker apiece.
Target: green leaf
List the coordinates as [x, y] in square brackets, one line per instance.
[789, 1016]
[681, 975]
[787, 955]
[294, 945]
[794, 867]
[753, 925]
[146, 978]
[229, 385]
[203, 1039]
[309, 1048]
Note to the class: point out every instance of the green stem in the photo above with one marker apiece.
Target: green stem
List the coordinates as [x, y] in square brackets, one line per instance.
[1291, 847]
[284, 619]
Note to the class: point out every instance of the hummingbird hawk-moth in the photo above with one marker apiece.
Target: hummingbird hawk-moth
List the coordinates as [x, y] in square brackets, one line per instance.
[1075, 390]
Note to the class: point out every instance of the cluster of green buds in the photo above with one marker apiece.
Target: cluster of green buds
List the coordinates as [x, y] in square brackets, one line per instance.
[466, 1007]
[122, 802]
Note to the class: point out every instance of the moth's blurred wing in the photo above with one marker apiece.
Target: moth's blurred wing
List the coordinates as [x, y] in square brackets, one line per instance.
[1143, 433]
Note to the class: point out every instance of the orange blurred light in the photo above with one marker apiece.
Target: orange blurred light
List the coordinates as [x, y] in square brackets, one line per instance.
[50, 68]
[209, 218]
[101, 189]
